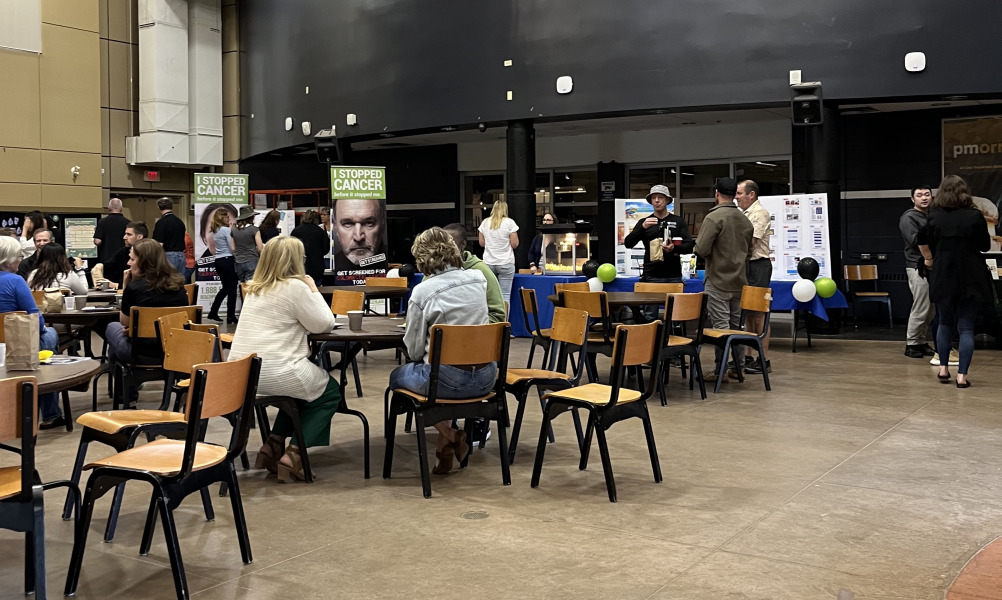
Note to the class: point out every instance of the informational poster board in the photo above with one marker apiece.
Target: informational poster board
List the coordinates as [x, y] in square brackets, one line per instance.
[799, 229]
[358, 219]
[80, 237]
[972, 149]
[213, 192]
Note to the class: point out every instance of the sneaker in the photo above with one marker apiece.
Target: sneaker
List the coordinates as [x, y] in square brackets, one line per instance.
[712, 378]
[914, 351]
[756, 369]
[953, 361]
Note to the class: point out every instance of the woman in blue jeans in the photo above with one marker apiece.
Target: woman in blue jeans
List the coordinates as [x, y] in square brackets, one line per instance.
[951, 244]
[16, 296]
[448, 295]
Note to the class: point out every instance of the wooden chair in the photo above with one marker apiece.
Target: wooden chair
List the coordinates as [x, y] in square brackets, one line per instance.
[457, 345]
[635, 345]
[660, 288]
[143, 326]
[39, 297]
[570, 333]
[571, 287]
[680, 309]
[753, 299]
[225, 339]
[343, 301]
[540, 336]
[400, 282]
[601, 333]
[192, 290]
[176, 468]
[21, 490]
[120, 429]
[854, 274]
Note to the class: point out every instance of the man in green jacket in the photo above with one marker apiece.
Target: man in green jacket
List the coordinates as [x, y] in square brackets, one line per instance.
[725, 242]
[495, 303]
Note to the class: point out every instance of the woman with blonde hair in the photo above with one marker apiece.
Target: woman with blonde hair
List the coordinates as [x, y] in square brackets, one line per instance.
[448, 294]
[499, 239]
[221, 244]
[282, 306]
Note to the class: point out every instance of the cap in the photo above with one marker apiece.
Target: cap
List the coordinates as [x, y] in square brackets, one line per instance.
[660, 189]
[246, 212]
[726, 186]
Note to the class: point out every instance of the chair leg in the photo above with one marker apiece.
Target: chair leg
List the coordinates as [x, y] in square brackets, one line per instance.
[661, 382]
[210, 515]
[586, 443]
[765, 371]
[542, 405]
[343, 408]
[532, 351]
[578, 433]
[78, 464]
[297, 428]
[34, 546]
[722, 367]
[697, 364]
[358, 380]
[116, 507]
[67, 412]
[173, 547]
[796, 322]
[236, 502]
[603, 450]
[149, 527]
[537, 465]
[423, 455]
[651, 447]
[517, 427]
[386, 414]
[503, 449]
[79, 543]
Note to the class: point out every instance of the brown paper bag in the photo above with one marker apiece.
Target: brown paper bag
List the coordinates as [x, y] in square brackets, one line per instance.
[657, 254]
[21, 338]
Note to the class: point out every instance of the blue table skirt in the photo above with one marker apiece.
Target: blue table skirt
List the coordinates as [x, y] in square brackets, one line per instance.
[782, 298]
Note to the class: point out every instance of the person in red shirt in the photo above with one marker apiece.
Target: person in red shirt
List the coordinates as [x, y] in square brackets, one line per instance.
[189, 257]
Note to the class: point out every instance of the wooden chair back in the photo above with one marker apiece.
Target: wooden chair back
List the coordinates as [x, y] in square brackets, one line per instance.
[684, 307]
[757, 299]
[596, 304]
[211, 329]
[386, 281]
[661, 288]
[3, 315]
[466, 344]
[192, 291]
[144, 318]
[529, 307]
[860, 272]
[525, 271]
[13, 416]
[184, 349]
[569, 326]
[641, 347]
[571, 287]
[39, 297]
[225, 385]
[344, 300]
[167, 323]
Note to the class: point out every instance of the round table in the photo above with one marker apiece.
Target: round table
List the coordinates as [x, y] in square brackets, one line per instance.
[621, 299]
[374, 329]
[86, 318]
[58, 378]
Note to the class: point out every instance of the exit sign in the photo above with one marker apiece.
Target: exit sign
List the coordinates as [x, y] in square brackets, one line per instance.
[151, 176]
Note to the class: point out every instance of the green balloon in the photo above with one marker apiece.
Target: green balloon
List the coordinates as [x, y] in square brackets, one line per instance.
[826, 287]
[606, 273]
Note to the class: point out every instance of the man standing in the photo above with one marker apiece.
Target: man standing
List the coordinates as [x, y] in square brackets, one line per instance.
[759, 272]
[660, 228]
[41, 237]
[169, 231]
[495, 303]
[110, 231]
[911, 222]
[316, 245]
[725, 243]
[115, 266]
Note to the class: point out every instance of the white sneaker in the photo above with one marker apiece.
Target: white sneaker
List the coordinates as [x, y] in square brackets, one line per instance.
[953, 362]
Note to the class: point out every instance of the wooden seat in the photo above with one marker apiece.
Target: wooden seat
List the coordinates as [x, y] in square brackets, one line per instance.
[22, 507]
[456, 345]
[176, 468]
[530, 315]
[659, 288]
[634, 345]
[114, 421]
[600, 337]
[853, 277]
[680, 310]
[518, 375]
[753, 299]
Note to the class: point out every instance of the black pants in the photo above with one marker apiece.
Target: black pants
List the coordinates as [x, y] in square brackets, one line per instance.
[226, 269]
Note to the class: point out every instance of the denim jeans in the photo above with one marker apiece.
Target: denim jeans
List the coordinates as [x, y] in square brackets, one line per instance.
[452, 382]
[506, 275]
[178, 261]
[960, 316]
[245, 270]
[48, 404]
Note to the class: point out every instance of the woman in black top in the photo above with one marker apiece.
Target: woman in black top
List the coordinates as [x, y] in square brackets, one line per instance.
[951, 244]
[268, 229]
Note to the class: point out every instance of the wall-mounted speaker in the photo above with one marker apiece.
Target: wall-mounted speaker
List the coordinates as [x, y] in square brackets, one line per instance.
[806, 103]
[327, 148]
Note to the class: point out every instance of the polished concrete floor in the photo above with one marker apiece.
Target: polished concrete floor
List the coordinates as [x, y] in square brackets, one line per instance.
[858, 473]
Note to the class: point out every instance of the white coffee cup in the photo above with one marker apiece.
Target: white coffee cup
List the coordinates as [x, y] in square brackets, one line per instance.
[3, 354]
[70, 303]
[355, 319]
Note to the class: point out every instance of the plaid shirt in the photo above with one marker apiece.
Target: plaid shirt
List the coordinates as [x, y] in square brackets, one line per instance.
[762, 222]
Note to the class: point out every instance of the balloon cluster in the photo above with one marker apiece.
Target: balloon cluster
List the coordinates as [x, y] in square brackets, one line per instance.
[598, 274]
[810, 284]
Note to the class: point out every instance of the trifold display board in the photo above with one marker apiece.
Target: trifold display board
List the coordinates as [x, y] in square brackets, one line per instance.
[799, 230]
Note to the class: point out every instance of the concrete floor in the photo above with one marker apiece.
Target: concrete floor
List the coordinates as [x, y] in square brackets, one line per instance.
[858, 472]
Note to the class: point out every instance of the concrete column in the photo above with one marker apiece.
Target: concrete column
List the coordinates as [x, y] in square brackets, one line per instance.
[824, 170]
[231, 86]
[521, 185]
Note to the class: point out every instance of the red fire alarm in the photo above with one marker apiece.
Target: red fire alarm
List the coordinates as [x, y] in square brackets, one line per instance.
[152, 176]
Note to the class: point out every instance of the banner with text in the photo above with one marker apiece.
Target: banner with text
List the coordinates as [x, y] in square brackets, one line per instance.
[213, 192]
[358, 223]
[972, 148]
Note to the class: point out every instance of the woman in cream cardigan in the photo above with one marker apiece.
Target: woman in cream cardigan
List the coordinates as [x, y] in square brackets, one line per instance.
[282, 306]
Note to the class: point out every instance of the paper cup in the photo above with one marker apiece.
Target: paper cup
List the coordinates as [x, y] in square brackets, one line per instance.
[70, 303]
[355, 320]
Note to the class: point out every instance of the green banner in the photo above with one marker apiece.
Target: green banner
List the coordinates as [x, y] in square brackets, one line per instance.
[220, 187]
[362, 183]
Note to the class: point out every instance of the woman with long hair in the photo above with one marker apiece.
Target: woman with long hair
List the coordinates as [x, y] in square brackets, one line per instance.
[951, 245]
[499, 239]
[536, 247]
[54, 271]
[268, 229]
[150, 281]
[282, 306]
[222, 249]
[451, 295]
[245, 249]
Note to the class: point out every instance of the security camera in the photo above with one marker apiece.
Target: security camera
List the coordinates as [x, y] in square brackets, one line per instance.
[482, 127]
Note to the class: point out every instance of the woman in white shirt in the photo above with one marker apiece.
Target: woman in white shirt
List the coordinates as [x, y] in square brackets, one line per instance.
[498, 237]
[54, 271]
[282, 306]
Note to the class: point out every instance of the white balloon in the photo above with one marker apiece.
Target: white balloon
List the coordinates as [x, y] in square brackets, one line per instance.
[804, 290]
[595, 284]
[393, 273]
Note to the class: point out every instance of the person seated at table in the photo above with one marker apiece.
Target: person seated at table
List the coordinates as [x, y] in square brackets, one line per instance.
[282, 306]
[15, 296]
[449, 295]
[113, 268]
[150, 281]
[53, 271]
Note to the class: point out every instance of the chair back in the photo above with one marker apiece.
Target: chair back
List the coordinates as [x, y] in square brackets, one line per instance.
[682, 308]
[636, 345]
[18, 407]
[596, 304]
[570, 331]
[467, 345]
[167, 323]
[3, 315]
[661, 288]
[220, 389]
[213, 330]
[144, 318]
[860, 272]
[529, 307]
[184, 349]
[386, 281]
[756, 299]
[192, 291]
[39, 297]
[344, 300]
[571, 287]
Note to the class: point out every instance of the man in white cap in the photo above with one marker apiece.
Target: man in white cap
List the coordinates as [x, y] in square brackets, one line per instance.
[662, 226]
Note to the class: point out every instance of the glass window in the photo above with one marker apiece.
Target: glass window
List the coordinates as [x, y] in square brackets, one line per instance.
[479, 193]
[696, 181]
[544, 195]
[643, 179]
[575, 195]
[772, 176]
